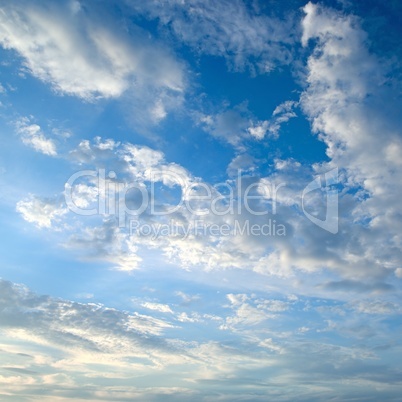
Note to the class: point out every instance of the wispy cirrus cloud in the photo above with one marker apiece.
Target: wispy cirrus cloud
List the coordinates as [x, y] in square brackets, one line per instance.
[237, 125]
[55, 344]
[246, 38]
[77, 53]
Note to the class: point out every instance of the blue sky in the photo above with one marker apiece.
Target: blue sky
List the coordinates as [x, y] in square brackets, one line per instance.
[200, 200]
